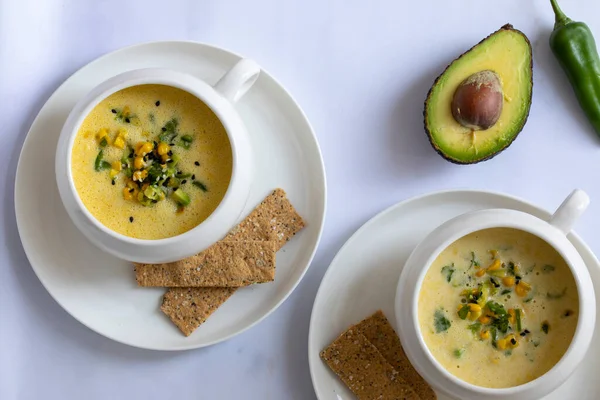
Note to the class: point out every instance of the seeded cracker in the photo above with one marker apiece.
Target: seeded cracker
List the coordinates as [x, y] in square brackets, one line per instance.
[275, 219]
[224, 264]
[364, 370]
[189, 307]
[381, 334]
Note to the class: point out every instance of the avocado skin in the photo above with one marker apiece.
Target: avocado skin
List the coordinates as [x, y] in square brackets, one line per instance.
[520, 128]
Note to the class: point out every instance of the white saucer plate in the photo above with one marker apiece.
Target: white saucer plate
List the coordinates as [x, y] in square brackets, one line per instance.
[362, 278]
[100, 290]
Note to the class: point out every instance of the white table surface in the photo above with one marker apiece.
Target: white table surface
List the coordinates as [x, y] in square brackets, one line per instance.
[360, 70]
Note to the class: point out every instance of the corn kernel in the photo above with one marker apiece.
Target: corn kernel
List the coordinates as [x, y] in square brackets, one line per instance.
[163, 148]
[494, 253]
[127, 195]
[525, 285]
[511, 341]
[164, 158]
[140, 175]
[126, 111]
[497, 264]
[144, 148]
[122, 132]
[484, 334]
[508, 281]
[501, 344]
[116, 165]
[522, 289]
[474, 307]
[511, 316]
[119, 142]
[480, 273]
[113, 173]
[484, 319]
[130, 184]
[138, 163]
[101, 134]
[473, 315]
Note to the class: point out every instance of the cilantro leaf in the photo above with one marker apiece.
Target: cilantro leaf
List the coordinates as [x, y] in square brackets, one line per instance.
[440, 322]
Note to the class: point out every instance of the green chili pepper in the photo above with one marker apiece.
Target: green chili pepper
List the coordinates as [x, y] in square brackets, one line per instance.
[575, 48]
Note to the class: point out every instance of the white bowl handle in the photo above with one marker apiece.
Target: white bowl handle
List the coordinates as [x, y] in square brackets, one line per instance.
[236, 82]
[570, 210]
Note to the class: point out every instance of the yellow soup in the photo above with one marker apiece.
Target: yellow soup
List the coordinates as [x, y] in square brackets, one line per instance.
[498, 308]
[151, 162]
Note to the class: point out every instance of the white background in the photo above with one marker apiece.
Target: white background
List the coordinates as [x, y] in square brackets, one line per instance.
[361, 70]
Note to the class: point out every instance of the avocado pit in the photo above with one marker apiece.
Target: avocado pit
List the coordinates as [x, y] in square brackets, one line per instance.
[477, 102]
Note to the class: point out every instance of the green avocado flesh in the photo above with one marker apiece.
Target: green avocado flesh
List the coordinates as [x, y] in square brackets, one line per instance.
[507, 52]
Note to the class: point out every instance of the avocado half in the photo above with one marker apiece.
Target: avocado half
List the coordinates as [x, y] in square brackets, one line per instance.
[507, 52]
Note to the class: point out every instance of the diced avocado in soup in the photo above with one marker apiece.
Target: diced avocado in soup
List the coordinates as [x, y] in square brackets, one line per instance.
[498, 308]
[151, 161]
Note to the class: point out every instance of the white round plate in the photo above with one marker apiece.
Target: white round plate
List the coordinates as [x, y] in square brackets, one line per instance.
[100, 290]
[362, 279]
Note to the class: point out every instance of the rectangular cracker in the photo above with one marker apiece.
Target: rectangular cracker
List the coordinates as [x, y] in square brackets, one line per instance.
[224, 264]
[378, 330]
[188, 308]
[275, 219]
[364, 370]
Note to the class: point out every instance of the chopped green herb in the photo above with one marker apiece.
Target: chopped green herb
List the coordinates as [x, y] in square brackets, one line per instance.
[99, 163]
[545, 327]
[447, 271]
[505, 291]
[474, 262]
[494, 335]
[169, 131]
[458, 352]
[527, 300]
[440, 322]
[496, 308]
[187, 138]
[103, 142]
[184, 144]
[463, 312]
[181, 175]
[474, 327]
[518, 319]
[501, 323]
[548, 268]
[508, 353]
[511, 268]
[554, 296]
[200, 185]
